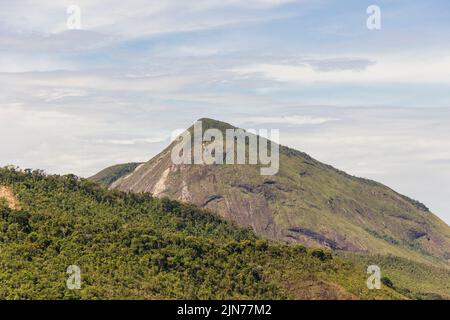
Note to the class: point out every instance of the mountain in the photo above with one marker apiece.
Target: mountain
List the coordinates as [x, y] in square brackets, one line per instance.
[133, 246]
[109, 175]
[306, 202]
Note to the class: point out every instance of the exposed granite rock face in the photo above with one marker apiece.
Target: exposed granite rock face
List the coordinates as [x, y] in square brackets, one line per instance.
[7, 195]
[306, 202]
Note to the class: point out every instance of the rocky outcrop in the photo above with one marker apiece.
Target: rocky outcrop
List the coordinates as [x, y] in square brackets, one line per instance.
[306, 201]
[7, 195]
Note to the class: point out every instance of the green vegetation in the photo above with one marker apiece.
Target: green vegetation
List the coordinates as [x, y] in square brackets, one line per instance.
[131, 246]
[412, 279]
[111, 174]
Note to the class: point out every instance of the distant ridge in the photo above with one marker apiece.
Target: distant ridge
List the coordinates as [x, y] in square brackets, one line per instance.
[109, 175]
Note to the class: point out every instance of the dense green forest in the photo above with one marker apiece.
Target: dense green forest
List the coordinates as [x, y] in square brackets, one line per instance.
[133, 246]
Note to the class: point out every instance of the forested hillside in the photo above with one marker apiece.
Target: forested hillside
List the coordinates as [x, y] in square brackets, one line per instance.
[132, 246]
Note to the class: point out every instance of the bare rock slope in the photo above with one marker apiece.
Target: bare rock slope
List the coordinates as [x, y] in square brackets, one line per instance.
[306, 202]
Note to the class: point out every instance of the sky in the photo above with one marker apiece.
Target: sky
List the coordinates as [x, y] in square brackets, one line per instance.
[375, 103]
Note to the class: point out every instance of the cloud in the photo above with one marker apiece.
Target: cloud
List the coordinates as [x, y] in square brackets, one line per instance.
[385, 70]
[131, 141]
[18, 62]
[340, 64]
[92, 81]
[291, 120]
[34, 34]
[146, 17]
[58, 94]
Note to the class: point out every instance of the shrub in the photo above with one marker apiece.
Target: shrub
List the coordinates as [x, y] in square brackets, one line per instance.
[387, 282]
[261, 245]
[299, 248]
[321, 254]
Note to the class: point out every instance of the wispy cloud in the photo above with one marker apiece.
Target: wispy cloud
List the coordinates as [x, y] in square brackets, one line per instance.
[385, 70]
[135, 18]
[291, 120]
[131, 141]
